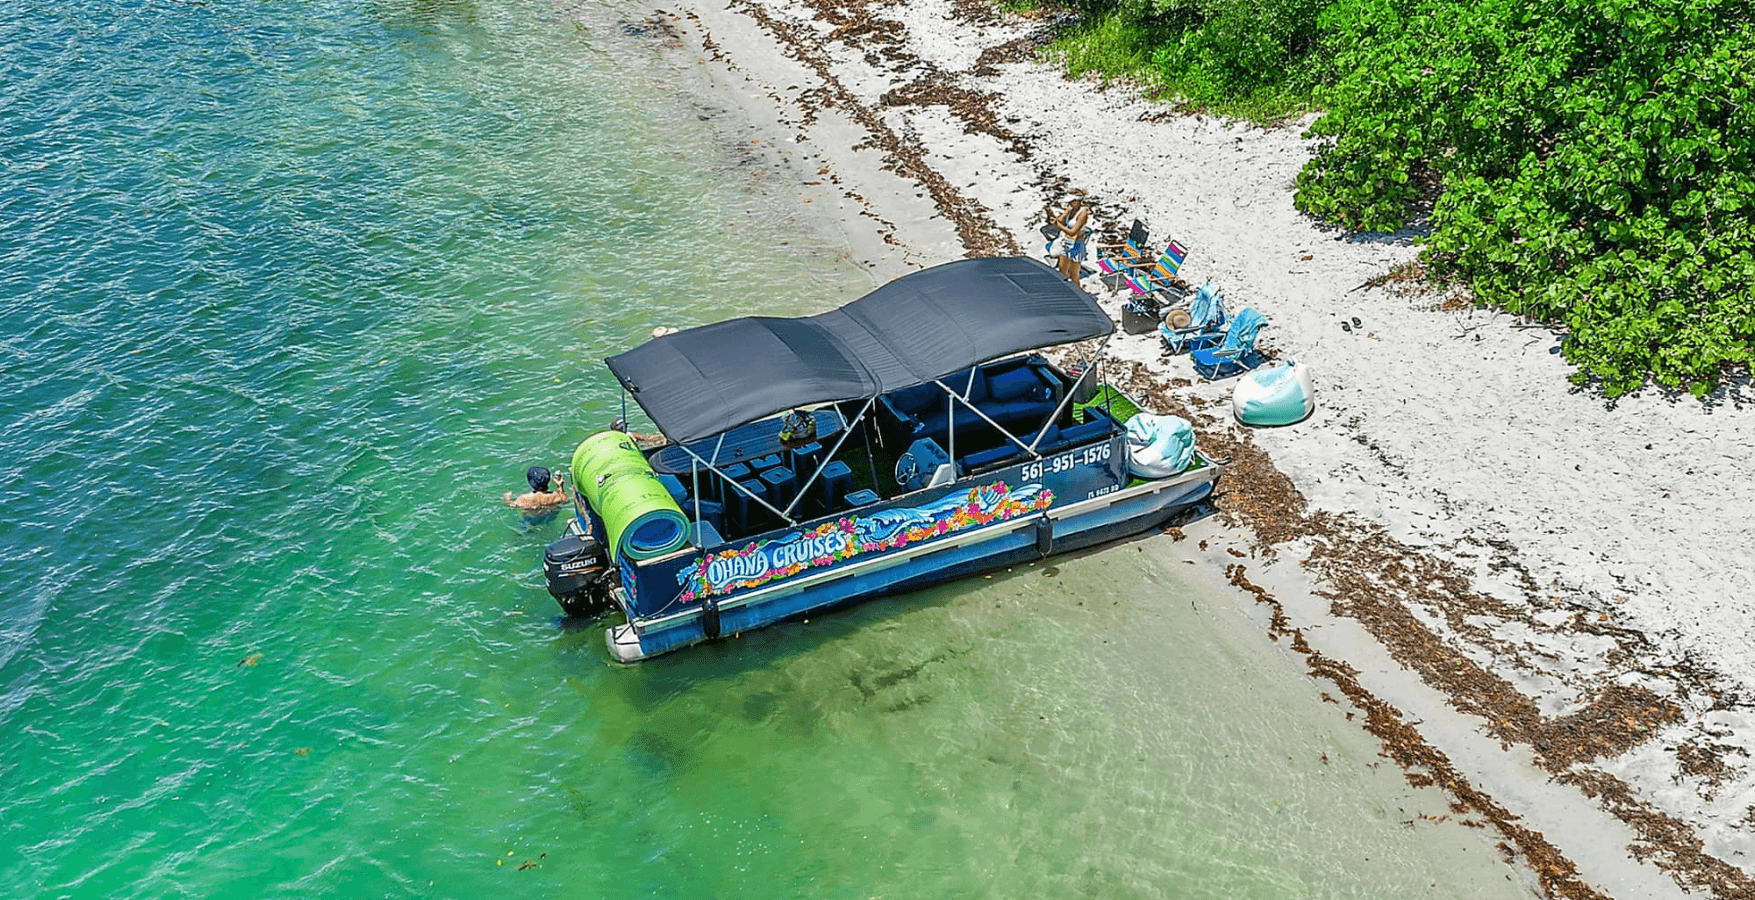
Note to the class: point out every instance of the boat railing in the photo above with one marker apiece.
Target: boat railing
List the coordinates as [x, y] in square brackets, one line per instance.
[785, 515]
[707, 456]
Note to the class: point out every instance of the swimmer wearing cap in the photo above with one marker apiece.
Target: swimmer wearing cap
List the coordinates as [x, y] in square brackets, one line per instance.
[540, 497]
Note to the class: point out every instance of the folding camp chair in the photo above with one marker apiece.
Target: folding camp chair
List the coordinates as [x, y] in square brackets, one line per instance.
[1236, 354]
[1205, 326]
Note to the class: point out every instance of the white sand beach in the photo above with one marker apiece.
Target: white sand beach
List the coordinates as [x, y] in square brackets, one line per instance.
[1549, 593]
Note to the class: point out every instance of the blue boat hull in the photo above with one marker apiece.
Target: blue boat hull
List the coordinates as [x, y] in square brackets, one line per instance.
[1110, 513]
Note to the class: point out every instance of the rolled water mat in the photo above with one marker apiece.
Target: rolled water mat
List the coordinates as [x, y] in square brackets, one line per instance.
[1277, 396]
[1158, 446]
[604, 454]
[640, 516]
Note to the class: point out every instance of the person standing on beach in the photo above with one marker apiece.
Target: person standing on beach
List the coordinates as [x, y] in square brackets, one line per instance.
[1071, 243]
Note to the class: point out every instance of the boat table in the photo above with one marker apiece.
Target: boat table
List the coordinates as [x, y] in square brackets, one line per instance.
[742, 444]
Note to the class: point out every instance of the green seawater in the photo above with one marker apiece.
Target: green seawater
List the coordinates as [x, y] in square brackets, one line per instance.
[291, 291]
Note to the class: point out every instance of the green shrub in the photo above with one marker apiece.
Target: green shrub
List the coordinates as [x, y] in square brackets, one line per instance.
[1595, 161]
[1241, 57]
[1232, 57]
[1113, 45]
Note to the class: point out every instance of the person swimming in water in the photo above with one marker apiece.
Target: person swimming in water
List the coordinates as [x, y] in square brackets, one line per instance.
[543, 498]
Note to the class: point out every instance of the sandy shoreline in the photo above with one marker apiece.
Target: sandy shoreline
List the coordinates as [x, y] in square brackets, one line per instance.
[1545, 592]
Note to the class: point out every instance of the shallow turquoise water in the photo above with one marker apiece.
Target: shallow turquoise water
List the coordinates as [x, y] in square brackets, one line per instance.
[292, 291]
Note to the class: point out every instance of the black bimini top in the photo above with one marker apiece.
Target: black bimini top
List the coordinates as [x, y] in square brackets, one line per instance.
[700, 382]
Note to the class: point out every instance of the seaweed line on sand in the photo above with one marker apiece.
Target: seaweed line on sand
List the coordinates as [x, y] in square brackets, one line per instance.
[853, 24]
[977, 231]
[1375, 580]
[1423, 764]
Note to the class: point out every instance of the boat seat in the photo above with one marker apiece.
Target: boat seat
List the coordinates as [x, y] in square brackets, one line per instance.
[805, 458]
[1018, 395]
[711, 513]
[742, 514]
[715, 486]
[1007, 452]
[674, 486]
[1086, 433]
[1056, 440]
[861, 498]
[832, 486]
[1099, 414]
[782, 486]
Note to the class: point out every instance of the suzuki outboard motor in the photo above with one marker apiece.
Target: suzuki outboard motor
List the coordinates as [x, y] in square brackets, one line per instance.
[579, 574]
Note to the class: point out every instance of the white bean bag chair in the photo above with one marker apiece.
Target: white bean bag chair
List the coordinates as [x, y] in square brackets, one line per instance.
[1158, 446]
[1277, 396]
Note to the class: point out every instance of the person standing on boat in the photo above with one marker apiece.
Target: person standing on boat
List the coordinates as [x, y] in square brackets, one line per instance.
[547, 493]
[1070, 245]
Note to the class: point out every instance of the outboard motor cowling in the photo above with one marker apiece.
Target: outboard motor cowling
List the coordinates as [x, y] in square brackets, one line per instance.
[579, 574]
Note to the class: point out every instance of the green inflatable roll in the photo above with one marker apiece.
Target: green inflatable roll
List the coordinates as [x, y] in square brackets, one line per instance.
[604, 454]
[614, 478]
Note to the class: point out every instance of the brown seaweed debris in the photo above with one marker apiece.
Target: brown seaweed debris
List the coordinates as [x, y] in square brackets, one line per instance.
[1666, 841]
[1423, 764]
[853, 23]
[975, 12]
[973, 107]
[1372, 578]
[976, 229]
[1020, 50]
[1706, 762]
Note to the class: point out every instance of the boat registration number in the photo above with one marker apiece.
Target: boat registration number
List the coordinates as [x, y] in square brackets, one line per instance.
[1066, 462]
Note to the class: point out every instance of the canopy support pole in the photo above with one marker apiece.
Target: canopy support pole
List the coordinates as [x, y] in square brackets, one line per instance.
[829, 457]
[695, 489]
[740, 488]
[870, 458]
[1064, 401]
[951, 414]
[1108, 396]
[951, 423]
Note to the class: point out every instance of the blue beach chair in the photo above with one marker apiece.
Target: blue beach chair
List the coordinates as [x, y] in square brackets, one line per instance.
[1206, 322]
[1236, 354]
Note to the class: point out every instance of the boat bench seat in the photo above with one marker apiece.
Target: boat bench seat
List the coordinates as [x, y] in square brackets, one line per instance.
[1054, 441]
[1099, 414]
[1018, 397]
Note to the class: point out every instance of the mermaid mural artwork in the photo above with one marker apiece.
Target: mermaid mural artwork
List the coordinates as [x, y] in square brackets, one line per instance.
[831, 542]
